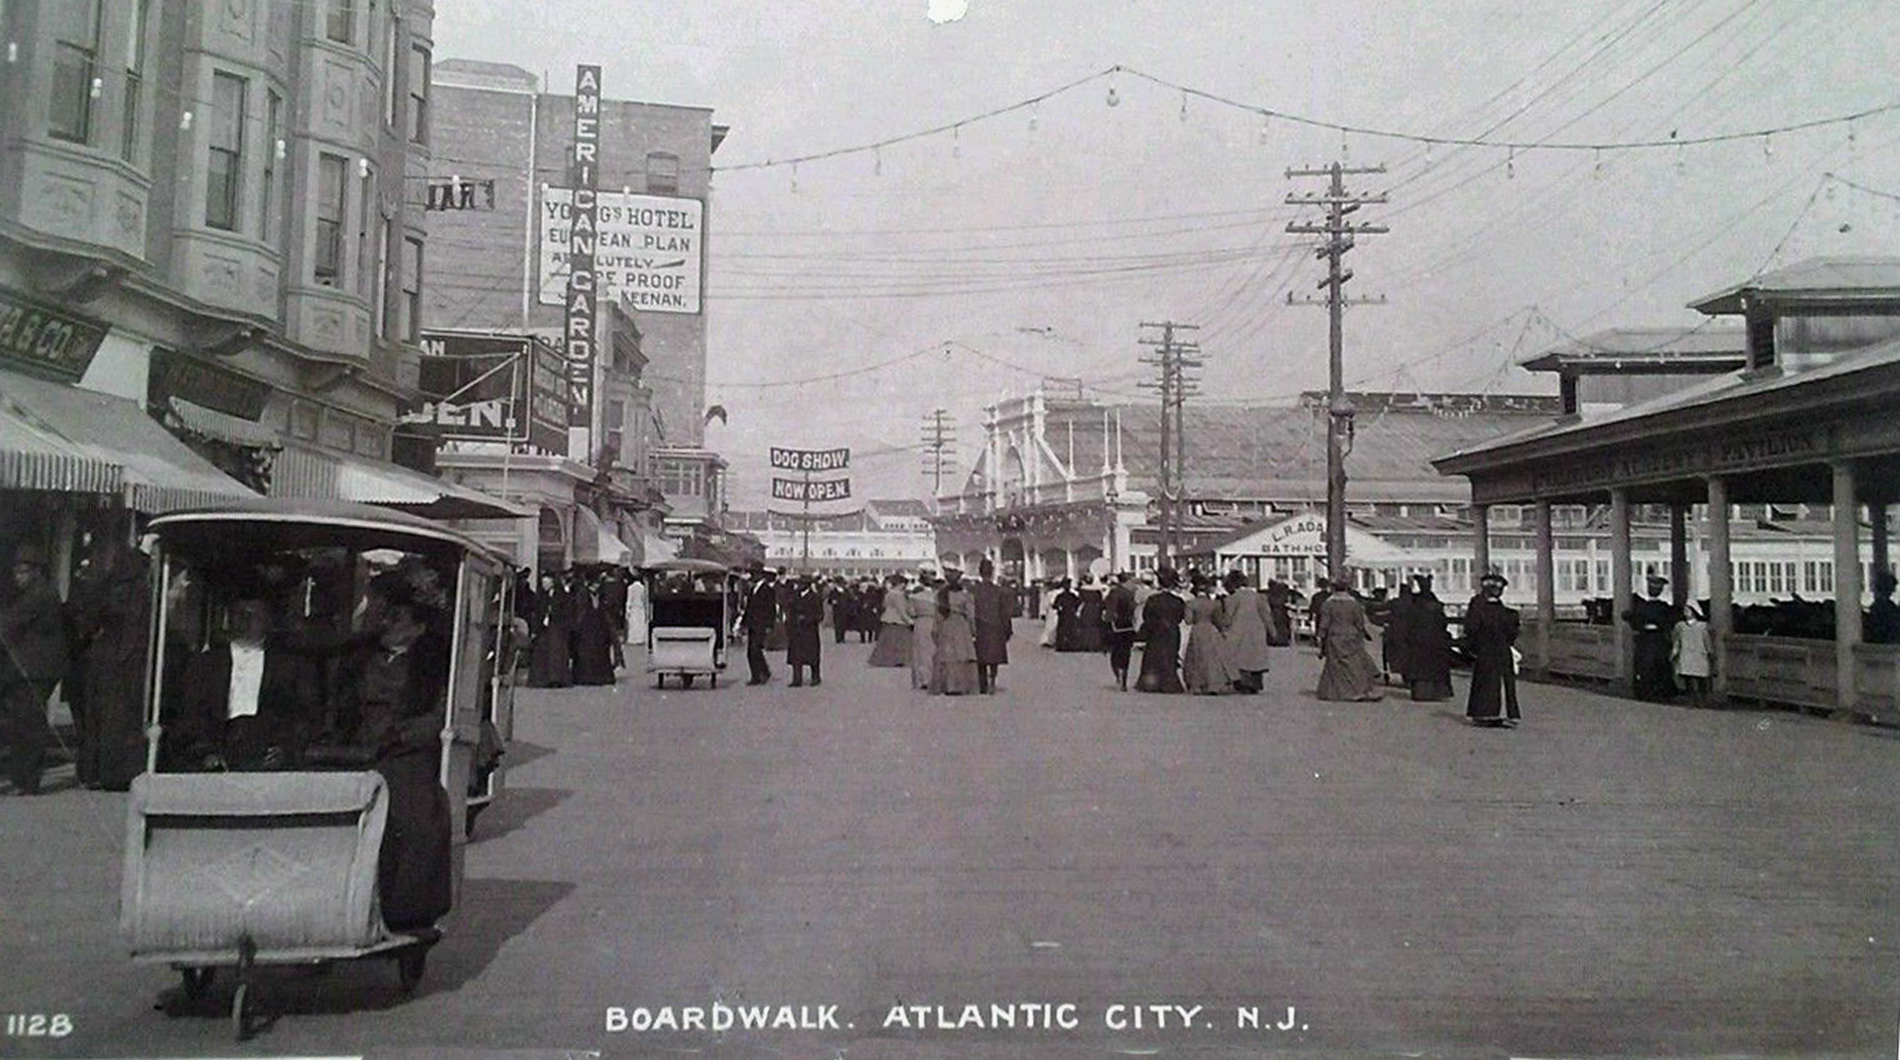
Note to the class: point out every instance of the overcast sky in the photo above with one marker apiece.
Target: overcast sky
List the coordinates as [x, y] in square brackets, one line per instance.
[1058, 229]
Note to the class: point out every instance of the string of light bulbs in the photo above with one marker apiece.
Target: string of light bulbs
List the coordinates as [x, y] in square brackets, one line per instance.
[1269, 114]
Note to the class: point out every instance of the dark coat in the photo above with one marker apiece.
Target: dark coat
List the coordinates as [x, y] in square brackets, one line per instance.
[803, 616]
[108, 614]
[33, 637]
[286, 698]
[1161, 643]
[1653, 622]
[760, 612]
[593, 640]
[992, 623]
[1490, 630]
[1428, 652]
[1068, 608]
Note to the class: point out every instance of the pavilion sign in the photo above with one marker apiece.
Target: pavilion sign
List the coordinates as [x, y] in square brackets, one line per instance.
[810, 459]
[1660, 463]
[811, 491]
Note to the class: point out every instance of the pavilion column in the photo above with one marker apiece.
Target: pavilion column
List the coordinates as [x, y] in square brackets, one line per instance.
[1721, 614]
[1546, 587]
[1846, 582]
[1679, 575]
[1620, 589]
[1480, 543]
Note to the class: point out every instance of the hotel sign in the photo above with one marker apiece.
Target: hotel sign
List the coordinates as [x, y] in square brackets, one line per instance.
[46, 339]
[649, 253]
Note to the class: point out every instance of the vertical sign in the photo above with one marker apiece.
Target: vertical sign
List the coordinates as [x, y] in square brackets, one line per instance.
[582, 241]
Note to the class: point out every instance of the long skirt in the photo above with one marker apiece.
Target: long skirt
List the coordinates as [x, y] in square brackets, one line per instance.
[1349, 675]
[923, 653]
[893, 646]
[412, 866]
[550, 662]
[1121, 646]
[1160, 662]
[593, 652]
[1204, 669]
[1431, 690]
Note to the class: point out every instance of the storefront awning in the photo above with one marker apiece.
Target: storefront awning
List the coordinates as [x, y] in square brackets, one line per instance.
[658, 549]
[595, 542]
[62, 438]
[302, 471]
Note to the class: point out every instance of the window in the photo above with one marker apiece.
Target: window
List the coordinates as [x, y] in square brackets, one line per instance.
[340, 24]
[273, 144]
[411, 289]
[330, 190]
[390, 95]
[225, 167]
[379, 289]
[1603, 576]
[75, 49]
[663, 173]
[366, 210]
[418, 95]
[129, 124]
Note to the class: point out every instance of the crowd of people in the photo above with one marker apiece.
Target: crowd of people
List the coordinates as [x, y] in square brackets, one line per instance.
[577, 620]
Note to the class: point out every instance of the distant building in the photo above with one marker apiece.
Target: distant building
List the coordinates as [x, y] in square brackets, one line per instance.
[499, 191]
[884, 537]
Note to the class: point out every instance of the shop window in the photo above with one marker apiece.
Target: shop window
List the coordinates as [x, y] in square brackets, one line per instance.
[75, 58]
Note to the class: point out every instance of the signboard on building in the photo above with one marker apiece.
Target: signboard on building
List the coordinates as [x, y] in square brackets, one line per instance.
[458, 194]
[649, 252]
[492, 388]
[45, 339]
[179, 375]
[582, 291]
[811, 491]
[810, 459]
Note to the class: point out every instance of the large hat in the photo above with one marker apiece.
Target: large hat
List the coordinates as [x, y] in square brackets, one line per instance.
[1494, 578]
[1656, 579]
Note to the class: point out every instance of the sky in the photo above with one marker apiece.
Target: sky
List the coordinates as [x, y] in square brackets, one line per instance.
[850, 296]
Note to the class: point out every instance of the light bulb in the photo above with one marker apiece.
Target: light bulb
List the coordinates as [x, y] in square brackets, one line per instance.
[282, 148]
[1114, 97]
[877, 161]
[1184, 106]
[1034, 109]
[1767, 149]
[794, 178]
[956, 142]
[13, 51]
[1510, 165]
[1596, 171]
[184, 121]
[1265, 121]
[1428, 155]
[99, 84]
[362, 167]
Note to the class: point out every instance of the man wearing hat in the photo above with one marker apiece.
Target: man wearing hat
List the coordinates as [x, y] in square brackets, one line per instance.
[32, 660]
[1653, 619]
[1490, 630]
[758, 616]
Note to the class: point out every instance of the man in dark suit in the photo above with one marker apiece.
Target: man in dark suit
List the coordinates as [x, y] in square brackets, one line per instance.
[32, 661]
[992, 626]
[1653, 621]
[246, 703]
[758, 617]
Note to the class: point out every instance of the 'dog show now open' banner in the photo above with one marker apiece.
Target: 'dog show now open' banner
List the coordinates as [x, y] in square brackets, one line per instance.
[811, 491]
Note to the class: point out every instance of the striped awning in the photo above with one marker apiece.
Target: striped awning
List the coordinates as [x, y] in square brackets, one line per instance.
[65, 439]
[303, 471]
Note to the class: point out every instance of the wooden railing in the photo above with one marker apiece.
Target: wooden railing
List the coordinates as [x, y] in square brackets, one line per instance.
[1576, 649]
[1788, 670]
[1877, 680]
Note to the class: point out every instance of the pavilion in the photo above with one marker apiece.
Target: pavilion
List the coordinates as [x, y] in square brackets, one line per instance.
[1812, 418]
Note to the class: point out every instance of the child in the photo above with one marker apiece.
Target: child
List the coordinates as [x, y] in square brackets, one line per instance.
[1692, 652]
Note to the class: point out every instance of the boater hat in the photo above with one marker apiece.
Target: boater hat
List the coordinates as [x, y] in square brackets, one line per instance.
[1493, 577]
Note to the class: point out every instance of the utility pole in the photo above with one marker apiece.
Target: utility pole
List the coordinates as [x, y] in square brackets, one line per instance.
[1339, 235]
[940, 439]
[1174, 360]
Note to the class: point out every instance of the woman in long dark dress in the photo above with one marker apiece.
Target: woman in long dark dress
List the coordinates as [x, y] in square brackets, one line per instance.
[548, 662]
[593, 637]
[1068, 608]
[1161, 620]
[1428, 651]
[1490, 631]
[1088, 616]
